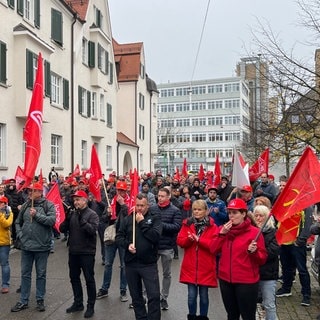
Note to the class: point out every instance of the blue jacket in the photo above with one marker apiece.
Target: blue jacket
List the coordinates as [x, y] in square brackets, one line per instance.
[221, 217]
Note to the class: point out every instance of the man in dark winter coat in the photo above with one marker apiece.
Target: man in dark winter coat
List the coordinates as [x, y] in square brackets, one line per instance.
[82, 224]
[171, 224]
[141, 258]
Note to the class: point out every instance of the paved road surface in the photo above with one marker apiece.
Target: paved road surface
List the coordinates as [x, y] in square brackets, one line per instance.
[59, 296]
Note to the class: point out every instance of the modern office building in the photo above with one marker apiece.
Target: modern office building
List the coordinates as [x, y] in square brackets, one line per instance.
[201, 119]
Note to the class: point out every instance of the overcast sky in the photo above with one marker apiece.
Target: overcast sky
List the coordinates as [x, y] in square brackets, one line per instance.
[171, 30]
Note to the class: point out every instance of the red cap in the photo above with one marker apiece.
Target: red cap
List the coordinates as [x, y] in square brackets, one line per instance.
[271, 176]
[36, 186]
[212, 187]
[81, 194]
[121, 185]
[247, 188]
[237, 204]
[4, 199]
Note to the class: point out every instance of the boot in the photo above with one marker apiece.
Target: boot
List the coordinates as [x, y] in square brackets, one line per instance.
[202, 318]
[192, 317]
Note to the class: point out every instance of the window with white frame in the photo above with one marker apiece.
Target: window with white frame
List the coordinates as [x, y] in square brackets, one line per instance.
[102, 108]
[182, 107]
[2, 144]
[170, 92]
[166, 123]
[215, 88]
[94, 113]
[232, 136]
[231, 120]
[141, 161]
[56, 89]
[109, 115]
[183, 122]
[56, 150]
[109, 157]
[141, 101]
[85, 51]
[84, 155]
[198, 137]
[229, 104]
[98, 18]
[141, 132]
[215, 121]
[215, 104]
[229, 153]
[103, 59]
[215, 137]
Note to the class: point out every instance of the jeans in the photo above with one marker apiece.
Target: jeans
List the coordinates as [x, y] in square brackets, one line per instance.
[110, 253]
[192, 299]
[84, 262]
[5, 268]
[239, 299]
[166, 257]
[268, 292]
[293, 257]
[148, 275]
[40, 259]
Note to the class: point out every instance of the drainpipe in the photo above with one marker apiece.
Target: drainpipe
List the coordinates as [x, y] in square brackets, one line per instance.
[136, 123]
[72, 92]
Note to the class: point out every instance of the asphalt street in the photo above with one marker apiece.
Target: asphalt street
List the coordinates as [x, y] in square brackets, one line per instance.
[59, 295]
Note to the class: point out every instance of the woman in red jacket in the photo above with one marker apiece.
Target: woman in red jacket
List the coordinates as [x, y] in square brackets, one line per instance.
[198, 265]
[240, 260]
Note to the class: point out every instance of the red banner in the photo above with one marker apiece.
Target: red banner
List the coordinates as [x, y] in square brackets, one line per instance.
[184, 171]
[217, 172]
[260, 166]
[54, 196]
[33, 127]
[302, 188]
[19, 177]
[95, 175]
[133, 192]
[201, 173]
[74, 174]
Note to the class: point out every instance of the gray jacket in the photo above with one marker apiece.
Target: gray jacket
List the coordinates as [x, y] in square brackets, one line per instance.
[36, 233]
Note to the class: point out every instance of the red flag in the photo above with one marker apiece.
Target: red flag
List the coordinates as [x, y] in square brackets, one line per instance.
[74, 174]
[184, 171]
[260, 166]
[54, 196]
[217, 172]
[19, 177]
[95, 175]
[177, 175]
[242, 162]
[302, 188]
[209, 178]
[201, 173]
[133, 192]
[33, 127]
[288, 229]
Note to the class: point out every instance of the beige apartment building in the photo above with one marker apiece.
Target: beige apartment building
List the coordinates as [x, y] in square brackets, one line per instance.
[82, 94]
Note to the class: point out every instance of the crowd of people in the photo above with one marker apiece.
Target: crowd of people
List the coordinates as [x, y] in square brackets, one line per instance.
[226, 234]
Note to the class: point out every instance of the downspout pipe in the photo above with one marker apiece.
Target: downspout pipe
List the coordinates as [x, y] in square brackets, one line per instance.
[75, 16]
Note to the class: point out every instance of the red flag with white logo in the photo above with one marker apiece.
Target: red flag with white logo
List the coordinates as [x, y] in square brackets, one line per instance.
[54, 196]
[33, 128]
[95, 174]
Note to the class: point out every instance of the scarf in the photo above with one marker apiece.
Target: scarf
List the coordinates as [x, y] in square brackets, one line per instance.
[199, 225]
[165, 204]
[113, 205]
[239, 229]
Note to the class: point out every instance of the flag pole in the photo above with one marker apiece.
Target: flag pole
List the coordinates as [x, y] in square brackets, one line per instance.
[261, 229]
[105, 191]
[134, 227]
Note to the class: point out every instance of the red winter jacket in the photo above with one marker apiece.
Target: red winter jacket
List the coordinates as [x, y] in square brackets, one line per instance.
[236, 264]
[198, 265]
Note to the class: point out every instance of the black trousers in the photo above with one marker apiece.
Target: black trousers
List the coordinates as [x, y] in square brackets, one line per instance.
[239, 299]
[84, 262]
[136, 273]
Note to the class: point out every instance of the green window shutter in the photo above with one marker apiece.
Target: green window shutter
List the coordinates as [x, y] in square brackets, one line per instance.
[99, 56]
[91, 58]
[89, 104]
[47, 79]
[56, 26]
[98, 18]
[80, 100]
[29, 69]
[66, 94]
[111, 73]
[20, 7]
[3, 63]
[11, 3]
[109, 114]
[107, 62]
[37, 13]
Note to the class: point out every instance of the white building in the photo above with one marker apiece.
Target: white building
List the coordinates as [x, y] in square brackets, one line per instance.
[81, 87]
[197, 121]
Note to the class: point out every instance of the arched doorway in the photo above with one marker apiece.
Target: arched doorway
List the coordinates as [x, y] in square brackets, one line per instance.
[127, 162]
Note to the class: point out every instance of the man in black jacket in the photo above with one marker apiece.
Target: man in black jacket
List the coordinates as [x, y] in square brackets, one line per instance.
[82, 224]
[141, 258]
